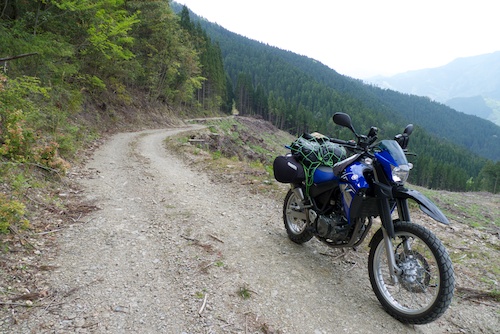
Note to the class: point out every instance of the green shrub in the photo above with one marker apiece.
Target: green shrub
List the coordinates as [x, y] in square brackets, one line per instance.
[11, 213]
[16, 138]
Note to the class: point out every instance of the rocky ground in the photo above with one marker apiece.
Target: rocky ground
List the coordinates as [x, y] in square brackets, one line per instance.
[160, 245]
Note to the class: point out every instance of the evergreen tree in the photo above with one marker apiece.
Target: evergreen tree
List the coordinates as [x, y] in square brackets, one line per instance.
[491, 174]
[169, 61]
[212, 95]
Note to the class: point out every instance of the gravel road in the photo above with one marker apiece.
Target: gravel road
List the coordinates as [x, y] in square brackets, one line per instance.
[170, 251]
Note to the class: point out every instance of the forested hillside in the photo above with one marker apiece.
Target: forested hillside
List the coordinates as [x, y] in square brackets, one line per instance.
[300, 94]
[307, 83]
[469, 84]
[74, 69]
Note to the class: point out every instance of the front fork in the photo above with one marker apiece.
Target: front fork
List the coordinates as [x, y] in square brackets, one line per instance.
[389, 233]
[391, 259]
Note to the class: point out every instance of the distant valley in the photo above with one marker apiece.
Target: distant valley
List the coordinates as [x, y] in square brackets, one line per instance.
[470, 85]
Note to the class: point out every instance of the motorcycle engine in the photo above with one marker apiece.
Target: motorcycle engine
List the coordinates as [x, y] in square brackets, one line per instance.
[331, 227]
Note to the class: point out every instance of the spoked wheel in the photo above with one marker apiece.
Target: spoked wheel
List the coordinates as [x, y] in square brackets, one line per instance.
[425, 287]
[295, 219]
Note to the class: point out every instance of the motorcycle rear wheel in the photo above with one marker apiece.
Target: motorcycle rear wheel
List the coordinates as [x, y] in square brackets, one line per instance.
[425, 288]
[295, 220]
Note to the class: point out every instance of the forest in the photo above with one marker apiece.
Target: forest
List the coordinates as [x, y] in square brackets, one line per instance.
[454, 151]
[69, 66]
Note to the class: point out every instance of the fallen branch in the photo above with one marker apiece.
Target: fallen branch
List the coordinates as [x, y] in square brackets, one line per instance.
[14, 304]
[335, 257]
[16, 232]
[203, 305]
[207, 247]
[51, 231]
[483, 303]
[215, 238]
[189, 239]
[77, 219]
[30, 296]
[51, 304]
[354, 264]
[33, 164]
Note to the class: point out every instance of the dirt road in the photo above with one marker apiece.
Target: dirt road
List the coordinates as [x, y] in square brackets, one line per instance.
[170, 251]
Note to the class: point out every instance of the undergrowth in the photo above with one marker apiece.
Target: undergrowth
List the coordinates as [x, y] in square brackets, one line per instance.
[28, 140]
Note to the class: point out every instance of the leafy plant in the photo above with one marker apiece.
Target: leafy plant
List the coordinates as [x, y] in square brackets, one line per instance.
[245, 292]
[216, 155]
[495, 294]
[17, 138]
[11, 213]
[20, 183]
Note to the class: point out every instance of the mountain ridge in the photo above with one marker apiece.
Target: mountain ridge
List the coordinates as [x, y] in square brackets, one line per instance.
[469, 84]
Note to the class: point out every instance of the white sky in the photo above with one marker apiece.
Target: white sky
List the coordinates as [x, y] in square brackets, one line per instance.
[362, 38]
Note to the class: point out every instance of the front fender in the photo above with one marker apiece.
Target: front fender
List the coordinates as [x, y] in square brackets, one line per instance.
[426, 205]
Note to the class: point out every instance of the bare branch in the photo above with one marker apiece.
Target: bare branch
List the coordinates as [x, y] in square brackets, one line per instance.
[19, 56]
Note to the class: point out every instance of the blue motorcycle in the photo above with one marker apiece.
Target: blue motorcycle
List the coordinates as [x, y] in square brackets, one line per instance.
[339, 187]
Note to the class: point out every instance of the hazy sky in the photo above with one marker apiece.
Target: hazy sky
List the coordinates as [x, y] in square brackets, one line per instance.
[361, 38]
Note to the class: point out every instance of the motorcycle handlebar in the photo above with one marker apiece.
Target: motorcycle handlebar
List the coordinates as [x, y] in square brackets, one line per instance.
[341, 142]
[348, 143]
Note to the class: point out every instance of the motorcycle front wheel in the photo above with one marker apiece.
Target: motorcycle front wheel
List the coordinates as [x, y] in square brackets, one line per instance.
[295, 219]
[425, 287]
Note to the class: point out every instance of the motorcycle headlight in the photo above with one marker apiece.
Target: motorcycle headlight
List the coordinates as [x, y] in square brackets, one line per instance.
[400, 173]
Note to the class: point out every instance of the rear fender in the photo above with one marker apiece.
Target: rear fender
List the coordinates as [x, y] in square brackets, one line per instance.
[426, 205]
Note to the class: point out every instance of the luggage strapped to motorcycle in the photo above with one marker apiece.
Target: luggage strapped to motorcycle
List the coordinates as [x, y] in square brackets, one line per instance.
[314, 151]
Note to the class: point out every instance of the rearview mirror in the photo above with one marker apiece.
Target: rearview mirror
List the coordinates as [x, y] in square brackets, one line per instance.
[344, 120]
[408, 129]
[404, 138]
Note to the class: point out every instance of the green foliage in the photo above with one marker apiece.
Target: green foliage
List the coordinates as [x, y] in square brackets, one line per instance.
[110, 36]
[86, 53]
[495, 294]
[21, 130]
[16, 139]
[491, 177]
[47, 155]
[216, 155]
[22, 93]
[169, 64]
[11, 214]
[245, 292]
[212, 93]
[20, 183]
